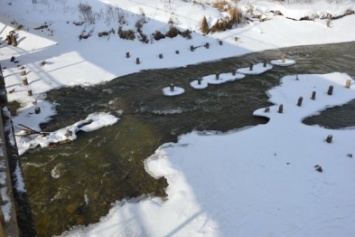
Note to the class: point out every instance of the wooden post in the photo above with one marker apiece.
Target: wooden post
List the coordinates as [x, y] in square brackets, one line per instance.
[220, 42]
[138, 61]
[29, 92]
[233, 73]
[199, 81]
[217, 76]
[299, 102]
[177, 51]
[251, 67]
[207, 45]
[313, 95]
[265, 63]
[348, 84]
[267, 110]
[37, 110]
[329, 139]
[160, 55]
[14, 40]
[172, 86]
[24, 81]
[330, 90]
[127, 55]
[192, 48]
[283, 57]
[281, 108]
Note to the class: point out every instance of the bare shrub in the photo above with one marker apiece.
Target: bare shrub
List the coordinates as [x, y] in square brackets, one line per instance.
[186, 34]
[204, 26]
[173, 32]
[221, 25]
[86, 12]
[157, 35]
[235, 15]
[126, 34]
[221, 5]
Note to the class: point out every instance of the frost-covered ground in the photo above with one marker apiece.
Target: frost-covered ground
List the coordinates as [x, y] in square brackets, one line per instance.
[259, 181]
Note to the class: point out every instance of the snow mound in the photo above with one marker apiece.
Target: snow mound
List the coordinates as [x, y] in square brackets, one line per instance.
[284, 63]
[256, 70]
[223, 78]
[167, 91]
[199, 84]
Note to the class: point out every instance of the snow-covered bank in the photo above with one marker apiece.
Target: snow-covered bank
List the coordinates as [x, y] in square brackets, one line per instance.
[259, 181]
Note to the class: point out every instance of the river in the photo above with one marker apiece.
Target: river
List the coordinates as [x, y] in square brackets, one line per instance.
[76, 183]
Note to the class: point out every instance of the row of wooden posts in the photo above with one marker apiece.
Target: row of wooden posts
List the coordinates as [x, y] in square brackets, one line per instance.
[192, 49]
[329, 138]
[25, 83]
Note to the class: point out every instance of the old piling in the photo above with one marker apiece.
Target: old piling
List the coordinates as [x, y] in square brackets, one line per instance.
[330, 90]
[281, 108]
[329, 139]
[172, 87]
[348, 84]
[313, 97]
[299, 102]
[24, 81]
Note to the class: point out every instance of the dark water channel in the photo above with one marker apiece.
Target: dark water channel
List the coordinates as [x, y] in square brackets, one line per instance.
[76, 183]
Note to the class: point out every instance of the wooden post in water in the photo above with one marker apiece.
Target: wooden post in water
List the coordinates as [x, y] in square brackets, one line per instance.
[29, 92]
[265, 63]
[160, 55]
[267, 110]
[330, 90]
[199, 81]
[217, 76]
[251, 67]
[138, 61]
[233, 73]
[283, 57]
[127, 55]
[299, 102]
[172, 87]
[207, 45]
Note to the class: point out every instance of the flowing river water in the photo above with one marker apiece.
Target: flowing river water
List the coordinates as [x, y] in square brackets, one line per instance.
[76, 183]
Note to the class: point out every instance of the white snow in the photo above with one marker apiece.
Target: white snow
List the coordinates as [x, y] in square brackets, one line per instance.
[257, 69]
[284, 63]
[199, 84]
[259, 181]
[222, 78]
[92, 122]
[167, 91]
